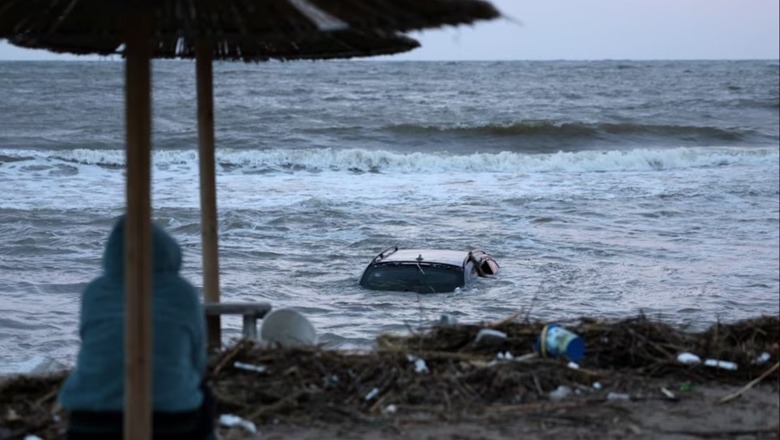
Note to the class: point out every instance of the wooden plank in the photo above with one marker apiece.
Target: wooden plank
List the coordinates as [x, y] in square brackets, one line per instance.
[208, 187]
[138, 273]
[256, 309]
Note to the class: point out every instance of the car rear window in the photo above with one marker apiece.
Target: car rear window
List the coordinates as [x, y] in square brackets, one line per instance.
[413, 278]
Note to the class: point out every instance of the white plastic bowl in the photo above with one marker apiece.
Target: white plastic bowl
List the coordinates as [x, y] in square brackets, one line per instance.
[288, 328]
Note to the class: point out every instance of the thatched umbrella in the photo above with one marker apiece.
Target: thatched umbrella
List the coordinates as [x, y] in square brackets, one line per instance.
[214, 28]
[341, 44]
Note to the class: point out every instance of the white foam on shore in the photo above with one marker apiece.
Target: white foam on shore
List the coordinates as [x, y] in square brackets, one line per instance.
[36, 365]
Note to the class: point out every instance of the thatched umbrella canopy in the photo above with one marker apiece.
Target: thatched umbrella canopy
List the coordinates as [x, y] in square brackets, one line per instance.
[142, 29]
[79, 26]
[315, 46]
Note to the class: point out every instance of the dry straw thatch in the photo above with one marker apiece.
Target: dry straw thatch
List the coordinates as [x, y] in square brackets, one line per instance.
[249, 30]
[633, 357]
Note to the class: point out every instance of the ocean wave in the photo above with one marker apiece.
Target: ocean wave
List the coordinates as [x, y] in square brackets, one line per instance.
[379, 161]
[580, 131]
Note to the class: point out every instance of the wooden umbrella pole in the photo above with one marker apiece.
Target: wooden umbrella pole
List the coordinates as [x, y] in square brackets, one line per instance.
[208, 187]
[138, 234]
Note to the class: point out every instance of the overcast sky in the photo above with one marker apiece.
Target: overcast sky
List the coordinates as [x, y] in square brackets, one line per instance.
[592, 29]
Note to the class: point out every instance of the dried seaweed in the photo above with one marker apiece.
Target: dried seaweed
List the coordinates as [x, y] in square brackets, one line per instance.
[442, 372]
[28, 404]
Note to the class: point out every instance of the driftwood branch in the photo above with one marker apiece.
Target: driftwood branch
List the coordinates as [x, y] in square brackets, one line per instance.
[750, 385]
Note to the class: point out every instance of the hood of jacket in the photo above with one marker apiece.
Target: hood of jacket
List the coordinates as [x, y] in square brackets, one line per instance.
[166, 252]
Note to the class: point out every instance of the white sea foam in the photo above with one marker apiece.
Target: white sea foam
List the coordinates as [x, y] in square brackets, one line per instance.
[387, 161]
[286, 177]
[39, 365]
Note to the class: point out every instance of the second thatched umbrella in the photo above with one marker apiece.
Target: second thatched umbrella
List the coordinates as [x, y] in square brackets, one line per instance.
[341, 44]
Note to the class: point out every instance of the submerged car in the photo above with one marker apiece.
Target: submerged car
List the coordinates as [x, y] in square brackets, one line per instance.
[426, 270]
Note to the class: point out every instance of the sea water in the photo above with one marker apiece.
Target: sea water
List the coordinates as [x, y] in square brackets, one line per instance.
[605, 189]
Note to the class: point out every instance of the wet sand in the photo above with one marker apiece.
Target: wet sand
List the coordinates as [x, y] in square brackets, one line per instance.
[696, 415]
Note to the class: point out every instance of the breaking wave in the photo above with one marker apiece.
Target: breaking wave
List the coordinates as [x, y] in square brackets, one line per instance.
[580, 131]
[378, 161]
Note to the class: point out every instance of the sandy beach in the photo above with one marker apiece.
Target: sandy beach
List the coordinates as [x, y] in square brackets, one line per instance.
[697, 415]
[653, 415]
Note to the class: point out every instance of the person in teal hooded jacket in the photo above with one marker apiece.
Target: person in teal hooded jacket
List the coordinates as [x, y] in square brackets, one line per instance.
[94, 391]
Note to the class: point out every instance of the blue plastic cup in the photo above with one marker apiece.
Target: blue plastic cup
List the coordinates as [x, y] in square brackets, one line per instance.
[555, 341]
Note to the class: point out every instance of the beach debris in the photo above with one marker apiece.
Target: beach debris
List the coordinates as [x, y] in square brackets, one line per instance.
[559, 393]
[478, 363]
[555, 341]
[617, 396]
[32, 437]
[715, 363]
[636, 430]
[390, 409]
[233, 421]
[502, 356]
[688, 358]
[249, 367]
[11, 415]
[668, 393]
[288, 327]
[490, 337]
[313, 384]
[763, 358]
[573, 365]
[750, 385]
[371, 394]
[419, 364]
[526, 357]
[330, 381]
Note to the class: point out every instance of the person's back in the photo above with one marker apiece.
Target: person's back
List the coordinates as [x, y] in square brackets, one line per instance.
[94, 392]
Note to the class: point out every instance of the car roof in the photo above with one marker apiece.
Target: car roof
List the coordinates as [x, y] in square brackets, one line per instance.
[454, 258]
